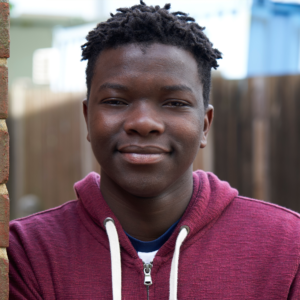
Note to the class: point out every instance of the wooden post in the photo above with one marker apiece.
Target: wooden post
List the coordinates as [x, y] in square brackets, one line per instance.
[4, 146]
[260, 138]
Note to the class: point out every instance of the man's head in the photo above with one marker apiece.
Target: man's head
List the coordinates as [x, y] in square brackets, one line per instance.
[145, 25]
[147, 114]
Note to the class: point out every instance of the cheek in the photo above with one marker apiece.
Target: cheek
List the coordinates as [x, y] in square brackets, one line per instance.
[188, 136]
[103, 128]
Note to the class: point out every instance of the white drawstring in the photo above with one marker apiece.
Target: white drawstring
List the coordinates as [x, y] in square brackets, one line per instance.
[115, 257]
[184, 230]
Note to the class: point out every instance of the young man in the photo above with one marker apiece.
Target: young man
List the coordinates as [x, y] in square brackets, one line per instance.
[150, 228]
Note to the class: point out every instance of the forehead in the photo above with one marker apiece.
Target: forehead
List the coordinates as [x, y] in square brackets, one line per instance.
[147, 62]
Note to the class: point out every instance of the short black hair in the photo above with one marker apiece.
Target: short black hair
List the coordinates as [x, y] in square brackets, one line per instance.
[142, 24]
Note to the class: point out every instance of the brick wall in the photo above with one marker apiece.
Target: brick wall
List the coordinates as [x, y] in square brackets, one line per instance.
[4, 146]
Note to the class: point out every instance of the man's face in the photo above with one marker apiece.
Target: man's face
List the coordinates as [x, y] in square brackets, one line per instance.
[145, 116]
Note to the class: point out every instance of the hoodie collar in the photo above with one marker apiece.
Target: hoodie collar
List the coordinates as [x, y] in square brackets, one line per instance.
[210, 198]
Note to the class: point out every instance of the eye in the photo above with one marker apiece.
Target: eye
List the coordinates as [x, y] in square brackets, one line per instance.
[114, 102]
[176, 103]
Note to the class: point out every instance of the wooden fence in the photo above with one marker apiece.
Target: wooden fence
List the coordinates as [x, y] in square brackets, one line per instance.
[257, 137]
[49, 149]
[254, 143]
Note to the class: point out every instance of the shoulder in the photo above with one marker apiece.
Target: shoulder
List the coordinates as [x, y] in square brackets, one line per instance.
[54, 221]
[267, 220]
[42, 216]
[266, 210]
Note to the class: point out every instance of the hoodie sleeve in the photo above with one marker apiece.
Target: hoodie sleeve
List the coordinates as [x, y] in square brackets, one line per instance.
[22, 281]
[295, 287]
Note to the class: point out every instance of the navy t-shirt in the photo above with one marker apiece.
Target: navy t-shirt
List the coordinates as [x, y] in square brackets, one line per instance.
[141, 246]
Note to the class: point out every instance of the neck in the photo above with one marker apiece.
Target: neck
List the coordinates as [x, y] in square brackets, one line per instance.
[147, 218]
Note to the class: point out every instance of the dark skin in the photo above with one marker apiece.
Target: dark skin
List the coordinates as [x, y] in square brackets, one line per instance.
[146, 122]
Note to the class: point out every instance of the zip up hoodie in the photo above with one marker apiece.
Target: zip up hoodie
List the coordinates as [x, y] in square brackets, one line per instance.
[227, 247]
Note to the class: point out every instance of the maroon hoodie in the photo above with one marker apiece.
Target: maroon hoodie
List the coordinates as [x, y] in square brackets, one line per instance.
[236, 248]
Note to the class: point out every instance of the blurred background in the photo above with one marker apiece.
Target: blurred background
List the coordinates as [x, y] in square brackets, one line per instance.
[255, 139]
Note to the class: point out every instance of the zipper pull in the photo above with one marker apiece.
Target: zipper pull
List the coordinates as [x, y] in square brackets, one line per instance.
[147, 272]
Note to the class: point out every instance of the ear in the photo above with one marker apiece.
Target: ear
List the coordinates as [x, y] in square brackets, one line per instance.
[86, 117]
[209, 115]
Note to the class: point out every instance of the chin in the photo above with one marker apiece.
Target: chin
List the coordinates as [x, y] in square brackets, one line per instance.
[144, 187]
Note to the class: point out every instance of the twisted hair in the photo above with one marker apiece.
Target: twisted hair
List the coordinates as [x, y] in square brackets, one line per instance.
[142, 24]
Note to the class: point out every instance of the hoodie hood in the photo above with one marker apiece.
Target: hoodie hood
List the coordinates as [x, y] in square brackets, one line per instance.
[210, 198]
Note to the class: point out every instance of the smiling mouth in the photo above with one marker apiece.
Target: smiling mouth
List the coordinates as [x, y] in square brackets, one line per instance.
[143, 155]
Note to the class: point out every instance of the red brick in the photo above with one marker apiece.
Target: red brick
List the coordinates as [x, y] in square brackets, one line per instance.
[3, 92]
[3, 275]
[4, 30]
[4, 152]
[4, 220]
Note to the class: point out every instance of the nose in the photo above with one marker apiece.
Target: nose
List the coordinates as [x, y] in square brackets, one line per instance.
[144, 119]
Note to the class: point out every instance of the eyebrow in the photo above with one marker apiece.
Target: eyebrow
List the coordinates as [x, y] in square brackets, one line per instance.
[175, 88]
[113, 86]
[168, 88]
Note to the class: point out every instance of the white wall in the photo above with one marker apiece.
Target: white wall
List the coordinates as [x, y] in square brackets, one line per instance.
[227, 25]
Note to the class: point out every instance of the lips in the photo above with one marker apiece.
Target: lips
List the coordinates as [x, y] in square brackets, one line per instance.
[148, 154]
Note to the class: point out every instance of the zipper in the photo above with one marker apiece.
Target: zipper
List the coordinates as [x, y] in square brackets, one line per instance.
[147, 278]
